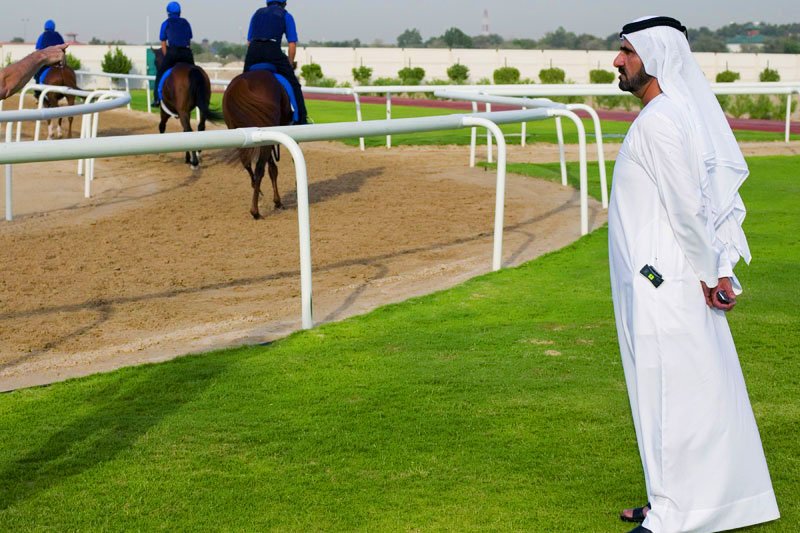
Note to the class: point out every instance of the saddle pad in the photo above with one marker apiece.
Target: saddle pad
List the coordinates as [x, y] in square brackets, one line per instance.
[161, 83]
[284, 82]
[43, 75]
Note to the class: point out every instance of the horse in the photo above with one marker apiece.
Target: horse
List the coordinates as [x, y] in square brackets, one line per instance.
[63, 76]
[184, 87]
[257, 99]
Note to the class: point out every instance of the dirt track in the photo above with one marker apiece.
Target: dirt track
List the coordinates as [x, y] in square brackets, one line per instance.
[163, 261]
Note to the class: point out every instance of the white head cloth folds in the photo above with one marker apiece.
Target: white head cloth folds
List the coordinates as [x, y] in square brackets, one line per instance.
[666, 56]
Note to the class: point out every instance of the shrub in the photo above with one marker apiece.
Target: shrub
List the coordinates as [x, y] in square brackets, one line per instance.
[484, 81]
[605, 77]
[552, 75]
[769, 74]
[116, 62]
[727, 76]
[458, 73]
[73, 62]
[362, 75]
[411, 75]
[763, 108]
[311, 73]
[740, 105]
[601, 76]
[506, 75]
[326, 82]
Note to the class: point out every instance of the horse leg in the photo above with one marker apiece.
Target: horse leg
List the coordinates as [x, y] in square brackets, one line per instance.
[70, 101]
[59, 132]
[201, 126]
[162, 126]
[258, 175]
[273, 176]
[191, 157]
[49, 129]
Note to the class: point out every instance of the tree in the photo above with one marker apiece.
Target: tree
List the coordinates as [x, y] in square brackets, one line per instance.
[73, 62]
[455, 38]
[488, 41]
[458, 73]
[17, 40]
[411, 76]
[116, 62]
[705, 40]
[506, 75]
[560, 39]
[362, 75]
[311, 73]
[410, 39]
[552, 75]
[769, 74]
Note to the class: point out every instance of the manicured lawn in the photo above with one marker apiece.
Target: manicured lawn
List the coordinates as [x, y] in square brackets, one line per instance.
[497, 405]
[545, 131]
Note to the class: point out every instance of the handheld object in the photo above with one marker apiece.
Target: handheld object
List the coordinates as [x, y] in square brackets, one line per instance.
[723, 298]
[652, 275]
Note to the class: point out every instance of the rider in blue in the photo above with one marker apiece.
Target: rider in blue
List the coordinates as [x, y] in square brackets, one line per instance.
[176, 39]
[267, 28]
[50, 37]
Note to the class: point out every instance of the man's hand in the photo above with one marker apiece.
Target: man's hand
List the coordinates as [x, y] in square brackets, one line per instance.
[294, 65]
[54, 55]
[712, 300]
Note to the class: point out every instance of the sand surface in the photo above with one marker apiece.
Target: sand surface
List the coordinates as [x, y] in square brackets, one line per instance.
[163, 261]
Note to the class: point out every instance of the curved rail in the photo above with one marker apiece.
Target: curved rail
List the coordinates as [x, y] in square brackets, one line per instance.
[114, 100]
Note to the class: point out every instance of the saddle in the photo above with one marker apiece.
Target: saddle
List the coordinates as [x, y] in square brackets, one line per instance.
[287, 87]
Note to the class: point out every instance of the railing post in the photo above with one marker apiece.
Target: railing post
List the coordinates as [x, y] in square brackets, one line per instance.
[500, 193]
[388, 117]
[357, 100]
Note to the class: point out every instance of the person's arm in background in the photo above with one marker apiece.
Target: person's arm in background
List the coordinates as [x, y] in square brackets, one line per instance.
[15, 76]
[162, 36]
[291, 38]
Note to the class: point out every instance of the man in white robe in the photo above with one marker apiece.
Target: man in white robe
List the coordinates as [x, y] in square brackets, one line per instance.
[674, 237]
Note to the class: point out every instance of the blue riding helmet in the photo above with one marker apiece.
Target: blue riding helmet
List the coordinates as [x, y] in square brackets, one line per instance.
[49, 25]
[174, 9]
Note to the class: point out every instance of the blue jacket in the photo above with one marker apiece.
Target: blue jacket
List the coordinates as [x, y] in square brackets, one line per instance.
[271, 23]
[49, 38]
[176, 31]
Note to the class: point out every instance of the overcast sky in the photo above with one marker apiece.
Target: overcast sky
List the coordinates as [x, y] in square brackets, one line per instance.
[370, 20]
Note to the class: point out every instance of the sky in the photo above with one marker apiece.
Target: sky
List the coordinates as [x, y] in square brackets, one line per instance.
[372, 20]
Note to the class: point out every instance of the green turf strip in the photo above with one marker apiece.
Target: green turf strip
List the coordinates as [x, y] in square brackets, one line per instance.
[497, 405]
[543, 131]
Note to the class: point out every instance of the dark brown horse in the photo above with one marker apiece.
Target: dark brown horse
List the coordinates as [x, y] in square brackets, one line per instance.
[257, 99]
[185, 88]
[63, 76]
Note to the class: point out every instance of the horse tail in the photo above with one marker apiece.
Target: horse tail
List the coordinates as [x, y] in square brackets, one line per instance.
[202, 94]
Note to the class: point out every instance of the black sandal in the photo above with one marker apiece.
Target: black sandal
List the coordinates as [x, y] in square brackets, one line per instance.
[640, 529]
[637, 514]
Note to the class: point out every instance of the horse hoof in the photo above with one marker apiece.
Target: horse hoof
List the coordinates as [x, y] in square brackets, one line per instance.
[256, 216]
[195, 167]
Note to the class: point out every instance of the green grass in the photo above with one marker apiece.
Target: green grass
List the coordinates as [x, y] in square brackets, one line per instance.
[497, 405]
[544, 131]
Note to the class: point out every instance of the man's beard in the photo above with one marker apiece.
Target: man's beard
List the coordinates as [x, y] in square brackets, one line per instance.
[633, 84]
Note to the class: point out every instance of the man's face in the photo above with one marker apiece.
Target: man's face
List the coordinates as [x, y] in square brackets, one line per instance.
[632, 77]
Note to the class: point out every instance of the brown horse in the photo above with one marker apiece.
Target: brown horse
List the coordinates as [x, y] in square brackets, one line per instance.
[257, 99]
[63, 76]
[185, 88]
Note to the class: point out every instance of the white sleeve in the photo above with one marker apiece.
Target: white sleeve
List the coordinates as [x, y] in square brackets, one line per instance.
[667, 156]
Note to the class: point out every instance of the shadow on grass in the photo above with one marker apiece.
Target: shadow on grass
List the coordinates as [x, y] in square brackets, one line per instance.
[120, 412]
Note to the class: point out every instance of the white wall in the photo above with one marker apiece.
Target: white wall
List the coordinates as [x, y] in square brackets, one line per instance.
[338, 63]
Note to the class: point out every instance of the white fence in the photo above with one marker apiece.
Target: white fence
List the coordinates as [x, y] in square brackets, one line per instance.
[13, 153]
[95, 102]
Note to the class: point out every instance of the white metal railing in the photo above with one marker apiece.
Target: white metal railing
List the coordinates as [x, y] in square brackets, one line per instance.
[289, 137]
[545, 103]
[90, 117]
